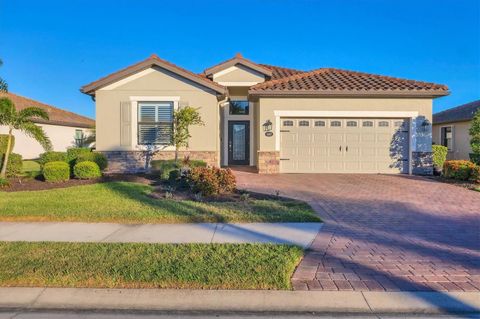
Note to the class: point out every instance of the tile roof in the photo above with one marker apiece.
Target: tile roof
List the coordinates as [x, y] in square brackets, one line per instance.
[56, 116]
[153, 60]
[460, 113]
[329, 81]
[237, 59]
[281, 72]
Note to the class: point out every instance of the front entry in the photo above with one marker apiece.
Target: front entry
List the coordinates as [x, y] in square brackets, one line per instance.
[238, 143]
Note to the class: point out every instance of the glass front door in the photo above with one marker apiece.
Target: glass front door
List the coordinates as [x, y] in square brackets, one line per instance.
[238, 143]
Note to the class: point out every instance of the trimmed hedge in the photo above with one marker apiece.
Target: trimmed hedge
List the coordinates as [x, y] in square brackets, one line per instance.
[52, 156]
[75, 152]
[3, 143]
[86, 170]
[14, 165]
[58, 171]
[98, 158]
[439, 155]
[460, 169]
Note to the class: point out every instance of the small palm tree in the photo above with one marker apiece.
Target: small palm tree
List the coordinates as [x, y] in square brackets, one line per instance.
[21, 121]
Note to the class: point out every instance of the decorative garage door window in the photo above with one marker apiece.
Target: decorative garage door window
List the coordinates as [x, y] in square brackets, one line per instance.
[335, 124]
[287, 123]
[304, 123]
[155, 123]
[383, 124]
[367, 124]
[320, 123]
[352, 123]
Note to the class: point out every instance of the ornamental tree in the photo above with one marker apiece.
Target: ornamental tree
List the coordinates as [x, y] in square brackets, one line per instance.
[183, 118]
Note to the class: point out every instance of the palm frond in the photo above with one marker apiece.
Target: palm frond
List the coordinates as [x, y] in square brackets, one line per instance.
[3, 85]
[37, 133]
[35, 112]
[7, 111]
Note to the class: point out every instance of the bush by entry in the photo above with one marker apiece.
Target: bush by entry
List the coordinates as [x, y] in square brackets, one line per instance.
[125, 202]
[114, 265]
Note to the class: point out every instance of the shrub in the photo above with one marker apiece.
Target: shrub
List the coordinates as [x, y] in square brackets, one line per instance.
[74, 152]
[475, 176]
[211, 180]
[14, 165]
[439, 155]
[165, 167]
[193, 163]
[475, 158]
[86, 170]
[4, 141]
[98, 158]
[4, 183]
[460, 169]
[52, 156]
[58, 171]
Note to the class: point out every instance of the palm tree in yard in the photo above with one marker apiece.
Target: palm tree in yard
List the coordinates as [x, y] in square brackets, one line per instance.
[21, 121]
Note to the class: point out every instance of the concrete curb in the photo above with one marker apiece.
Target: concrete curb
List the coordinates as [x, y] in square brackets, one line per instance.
[239, 300]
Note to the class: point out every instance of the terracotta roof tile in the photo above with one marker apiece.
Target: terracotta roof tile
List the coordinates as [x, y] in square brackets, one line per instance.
[281, 72]
[56, 116]
[336, 81]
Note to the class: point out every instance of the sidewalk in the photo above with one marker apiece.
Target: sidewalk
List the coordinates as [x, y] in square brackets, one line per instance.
[301, 234]
[239, 300]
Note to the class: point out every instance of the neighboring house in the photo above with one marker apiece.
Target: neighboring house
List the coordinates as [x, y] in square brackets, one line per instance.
[450, 129]
[63, 128]
[274, 118]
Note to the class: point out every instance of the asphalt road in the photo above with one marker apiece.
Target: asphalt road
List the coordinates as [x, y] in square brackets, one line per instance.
[120, 315]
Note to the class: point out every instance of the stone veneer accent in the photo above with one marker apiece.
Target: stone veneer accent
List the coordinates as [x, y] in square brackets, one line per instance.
[268, 162]
[135, 161]
[422, 163]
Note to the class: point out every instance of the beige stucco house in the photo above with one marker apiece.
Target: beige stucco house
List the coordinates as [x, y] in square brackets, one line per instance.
[65, 129]
[451, 129]
[276, 119]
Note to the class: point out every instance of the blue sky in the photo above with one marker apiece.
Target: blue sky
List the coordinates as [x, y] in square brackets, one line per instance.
[51, 48]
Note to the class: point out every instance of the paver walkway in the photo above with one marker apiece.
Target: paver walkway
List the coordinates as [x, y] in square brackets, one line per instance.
[301, 234]
[384, 232]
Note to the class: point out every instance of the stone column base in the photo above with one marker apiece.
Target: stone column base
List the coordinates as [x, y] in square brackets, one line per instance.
[422, 163]
[268, 162]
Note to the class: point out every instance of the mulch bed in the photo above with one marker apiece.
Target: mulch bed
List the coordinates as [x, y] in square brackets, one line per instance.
[36, 184]
[464, 184]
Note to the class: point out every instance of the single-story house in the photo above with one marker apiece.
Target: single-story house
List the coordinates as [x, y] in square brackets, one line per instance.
[451, 129]
[64, 128]
[277, 119]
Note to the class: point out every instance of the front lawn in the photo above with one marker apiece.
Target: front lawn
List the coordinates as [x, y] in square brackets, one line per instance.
[195, 266]
[126, 202]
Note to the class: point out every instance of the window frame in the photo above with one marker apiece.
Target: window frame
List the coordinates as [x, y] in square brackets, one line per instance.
[156, 122]
[320, 121]
[335, 121]
[368, 121]
[380, 122]
[300, 122]
[351, 121]
[451, 127]
[288, 121]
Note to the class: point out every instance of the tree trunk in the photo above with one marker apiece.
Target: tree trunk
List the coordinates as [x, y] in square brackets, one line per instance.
[176, 154]
[3, 173]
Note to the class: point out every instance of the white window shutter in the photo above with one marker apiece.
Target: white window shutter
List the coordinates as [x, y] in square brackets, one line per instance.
[125, 123]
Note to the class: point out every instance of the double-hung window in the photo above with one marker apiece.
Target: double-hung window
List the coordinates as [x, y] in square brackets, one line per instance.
[155, 123]
[447, 137]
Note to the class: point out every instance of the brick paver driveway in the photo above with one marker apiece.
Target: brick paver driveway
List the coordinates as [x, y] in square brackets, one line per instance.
[384, 232]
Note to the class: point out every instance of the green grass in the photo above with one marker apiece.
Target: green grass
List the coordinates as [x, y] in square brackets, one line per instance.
[129, 203]
[114, 265]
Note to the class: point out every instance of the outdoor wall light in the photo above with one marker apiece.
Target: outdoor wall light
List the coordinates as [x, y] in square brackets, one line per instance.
[267, 126]
[425, 125]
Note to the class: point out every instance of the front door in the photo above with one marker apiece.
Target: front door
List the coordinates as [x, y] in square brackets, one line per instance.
[238, 142]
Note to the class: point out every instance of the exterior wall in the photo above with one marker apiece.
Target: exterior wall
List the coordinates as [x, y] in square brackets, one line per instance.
[421, 136]
[238, 73]
[268, 162]
[461, 139]
[62, 137]
[155, 82]
[137, 161]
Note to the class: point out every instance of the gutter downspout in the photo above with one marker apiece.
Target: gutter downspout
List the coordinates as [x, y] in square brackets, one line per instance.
[220, 132]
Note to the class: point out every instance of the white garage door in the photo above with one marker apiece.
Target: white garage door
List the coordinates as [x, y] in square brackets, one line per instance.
[316, 145]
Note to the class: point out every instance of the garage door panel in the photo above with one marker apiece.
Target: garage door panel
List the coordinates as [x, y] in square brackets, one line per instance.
[374, 146]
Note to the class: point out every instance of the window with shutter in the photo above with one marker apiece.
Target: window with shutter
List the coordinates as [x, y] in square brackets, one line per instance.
[155, 123]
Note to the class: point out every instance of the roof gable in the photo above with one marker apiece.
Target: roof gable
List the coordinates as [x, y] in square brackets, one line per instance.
[238, 59]
[56, 116]
[329, 81]
[464, 112]
[152, 61]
